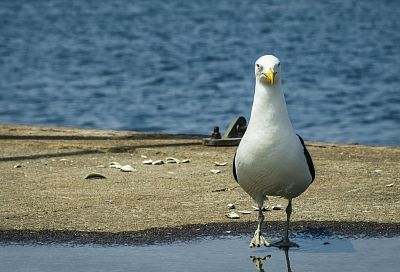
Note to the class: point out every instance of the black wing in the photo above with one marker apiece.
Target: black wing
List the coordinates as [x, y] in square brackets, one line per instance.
[308, 158]
[234, 168]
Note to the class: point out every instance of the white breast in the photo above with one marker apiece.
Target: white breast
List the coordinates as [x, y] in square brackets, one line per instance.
[277, 168]
[270, 159]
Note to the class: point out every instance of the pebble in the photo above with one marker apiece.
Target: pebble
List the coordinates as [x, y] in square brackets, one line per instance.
[215, 171]
[127, 168]
[220, 163]
[232, 215]
[64, 160]
[17, 166]
[157, 162]
[231, 206]
[94, 176]
[143, 157]
[101, 166]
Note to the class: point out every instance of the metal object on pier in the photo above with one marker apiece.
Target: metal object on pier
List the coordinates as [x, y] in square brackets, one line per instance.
[232, 135]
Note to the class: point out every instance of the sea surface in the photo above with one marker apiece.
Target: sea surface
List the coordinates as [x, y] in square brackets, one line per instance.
[182, 66]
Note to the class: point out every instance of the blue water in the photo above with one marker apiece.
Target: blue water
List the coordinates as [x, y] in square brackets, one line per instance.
[185, 66]
[229, 254]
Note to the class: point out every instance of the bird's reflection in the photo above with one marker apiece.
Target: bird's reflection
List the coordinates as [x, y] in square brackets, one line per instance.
[260, 261]
[286, 250]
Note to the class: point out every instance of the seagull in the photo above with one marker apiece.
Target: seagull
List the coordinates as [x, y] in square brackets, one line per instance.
[271, 159]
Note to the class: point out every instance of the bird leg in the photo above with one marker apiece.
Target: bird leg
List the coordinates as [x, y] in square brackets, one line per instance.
[258, 239]
[285, 242]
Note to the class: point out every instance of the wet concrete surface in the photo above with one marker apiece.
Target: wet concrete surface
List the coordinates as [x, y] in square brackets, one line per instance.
[195, 231]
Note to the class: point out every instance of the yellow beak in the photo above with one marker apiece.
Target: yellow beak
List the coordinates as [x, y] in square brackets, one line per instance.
[271, 76]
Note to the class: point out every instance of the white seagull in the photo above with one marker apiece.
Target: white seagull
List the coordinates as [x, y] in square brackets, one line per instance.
[271, 159]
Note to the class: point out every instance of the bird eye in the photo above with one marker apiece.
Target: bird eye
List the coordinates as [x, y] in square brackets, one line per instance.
[258, 65]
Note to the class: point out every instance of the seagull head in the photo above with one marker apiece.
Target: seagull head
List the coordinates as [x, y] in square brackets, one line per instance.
[268, 70]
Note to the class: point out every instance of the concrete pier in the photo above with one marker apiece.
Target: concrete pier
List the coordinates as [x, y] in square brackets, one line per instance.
[42, 185]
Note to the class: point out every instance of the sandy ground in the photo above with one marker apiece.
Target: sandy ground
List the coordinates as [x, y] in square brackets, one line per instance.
[42, 185]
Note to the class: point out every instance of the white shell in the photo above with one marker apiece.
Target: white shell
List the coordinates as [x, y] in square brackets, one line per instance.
[244, 212]
[231, 206]
[172, 160]
[220, 163]
[185, 161]
[127, 168]
[148, 161]
[215, 171]
[233, 215]
[157, 162]
[115, 165]
[390, 185]
[276, 208]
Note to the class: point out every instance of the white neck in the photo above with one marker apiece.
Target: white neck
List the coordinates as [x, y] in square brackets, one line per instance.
[269, 109]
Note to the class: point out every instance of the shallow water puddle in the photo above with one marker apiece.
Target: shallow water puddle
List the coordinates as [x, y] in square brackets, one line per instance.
[213, 254]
